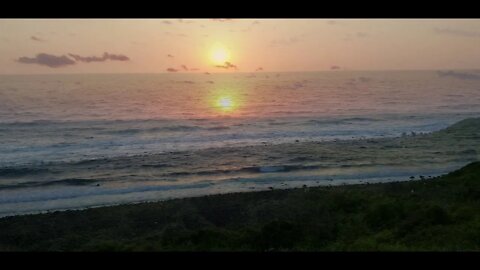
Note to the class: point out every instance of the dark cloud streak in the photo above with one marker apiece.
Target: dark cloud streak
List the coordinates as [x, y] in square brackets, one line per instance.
[227, 65]
[285, 42]
[106, 56]
[47, 60]
[54, 61]
[34, 38]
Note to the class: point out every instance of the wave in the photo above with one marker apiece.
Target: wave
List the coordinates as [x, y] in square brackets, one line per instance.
[218, 128]
[131, 131]
[19, 172]
[342, 120]
[250, 169]
[62, 195]
[69, 182]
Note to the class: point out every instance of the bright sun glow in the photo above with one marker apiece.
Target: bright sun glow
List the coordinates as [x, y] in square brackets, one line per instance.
[220, 55]
[225, 103]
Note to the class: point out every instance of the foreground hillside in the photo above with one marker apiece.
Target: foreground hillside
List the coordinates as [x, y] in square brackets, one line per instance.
[442, 213]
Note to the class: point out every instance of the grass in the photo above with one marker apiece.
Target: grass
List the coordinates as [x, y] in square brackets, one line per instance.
[440, 214]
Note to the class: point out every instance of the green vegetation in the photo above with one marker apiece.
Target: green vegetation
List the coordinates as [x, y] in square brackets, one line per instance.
[432, 214]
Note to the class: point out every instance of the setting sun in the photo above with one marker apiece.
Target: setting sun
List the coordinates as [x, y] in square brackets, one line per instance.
[219, 55]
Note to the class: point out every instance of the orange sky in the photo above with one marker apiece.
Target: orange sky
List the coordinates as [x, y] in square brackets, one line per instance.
[163, 45]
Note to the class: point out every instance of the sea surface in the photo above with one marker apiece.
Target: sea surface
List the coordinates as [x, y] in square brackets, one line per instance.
[72, 141]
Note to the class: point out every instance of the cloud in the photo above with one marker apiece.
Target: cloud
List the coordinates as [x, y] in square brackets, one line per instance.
[334, 67]
[167, 22]
[54, 61]
[364, 79]
[227, 65]
[222, 20]
[259, 69]
[184, 67]
[459, 75]
[347, 37]
[106, 56]
[170, 56]
[34, 38]
[362, 34]
[457, 32]
[136, 43]
[116, 57]
[185, 21]
[335, 22]
[249, 28]
[283, 42]
[172, 70]
[206, 73]
[48, 60]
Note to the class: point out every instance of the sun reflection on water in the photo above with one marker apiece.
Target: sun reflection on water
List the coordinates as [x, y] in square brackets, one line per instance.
[225, 102]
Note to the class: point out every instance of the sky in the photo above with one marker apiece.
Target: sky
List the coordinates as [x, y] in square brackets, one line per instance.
[53, 46]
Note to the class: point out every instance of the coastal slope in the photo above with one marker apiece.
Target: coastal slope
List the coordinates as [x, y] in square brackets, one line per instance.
[442, 213]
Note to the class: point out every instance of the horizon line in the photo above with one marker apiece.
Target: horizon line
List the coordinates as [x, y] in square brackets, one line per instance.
[238, 72]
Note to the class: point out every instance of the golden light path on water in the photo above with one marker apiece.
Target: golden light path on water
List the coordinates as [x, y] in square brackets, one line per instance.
[225, 101]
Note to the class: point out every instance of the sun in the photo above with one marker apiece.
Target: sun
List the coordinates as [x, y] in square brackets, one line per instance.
[219, 55]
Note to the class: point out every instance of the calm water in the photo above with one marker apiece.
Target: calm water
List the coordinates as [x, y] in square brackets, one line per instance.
[50, 120]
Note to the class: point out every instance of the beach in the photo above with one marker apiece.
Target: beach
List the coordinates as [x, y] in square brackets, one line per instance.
[133, 179]
[439, 214]
[423, 211]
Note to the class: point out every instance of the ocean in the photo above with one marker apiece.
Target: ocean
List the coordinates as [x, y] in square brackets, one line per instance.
[73, 141]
